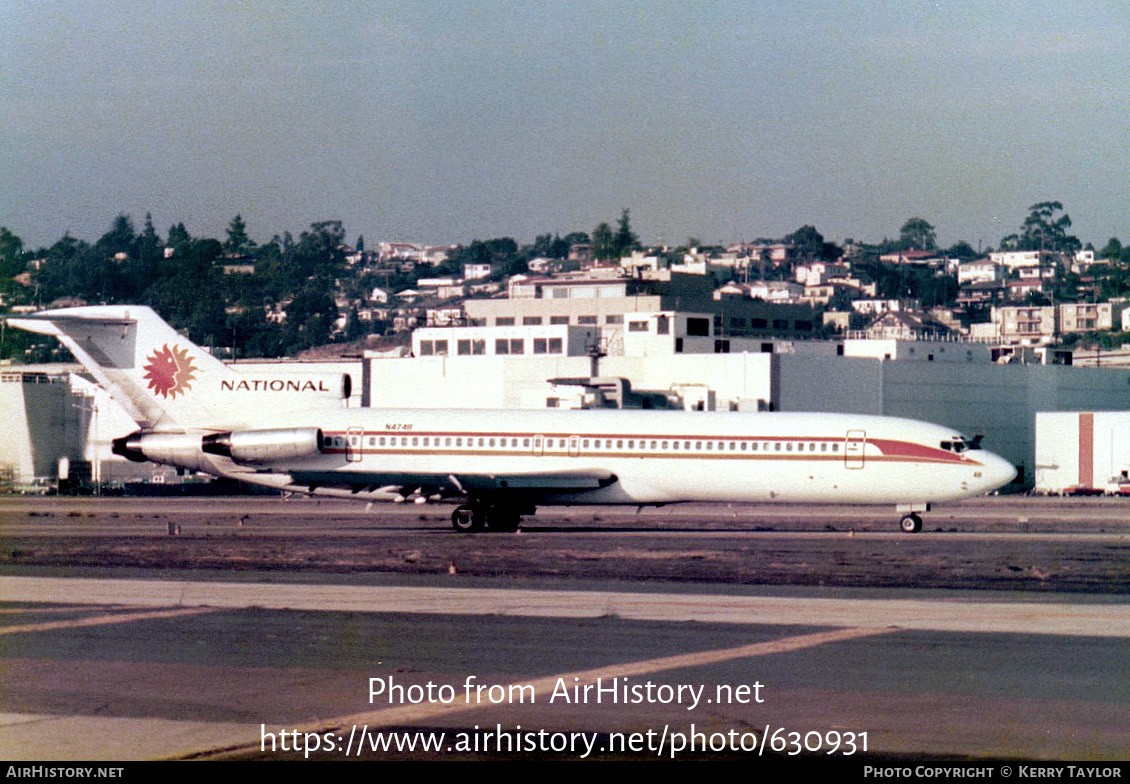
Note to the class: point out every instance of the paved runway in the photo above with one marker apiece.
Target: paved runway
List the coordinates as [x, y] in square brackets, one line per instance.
[278, 620]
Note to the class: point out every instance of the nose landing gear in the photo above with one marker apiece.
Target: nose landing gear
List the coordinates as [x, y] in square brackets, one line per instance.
[911, 524]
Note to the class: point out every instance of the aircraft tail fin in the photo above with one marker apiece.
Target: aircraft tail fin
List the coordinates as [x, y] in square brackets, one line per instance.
[153, 371]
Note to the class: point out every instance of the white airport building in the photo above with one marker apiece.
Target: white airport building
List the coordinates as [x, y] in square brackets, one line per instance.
[1086, 452]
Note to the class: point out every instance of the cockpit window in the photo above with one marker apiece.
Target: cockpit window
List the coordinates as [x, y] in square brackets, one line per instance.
[961, 444]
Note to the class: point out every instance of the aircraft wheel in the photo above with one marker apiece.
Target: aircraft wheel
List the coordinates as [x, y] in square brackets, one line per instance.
[911, 524]
[503, 519]
[467, 520]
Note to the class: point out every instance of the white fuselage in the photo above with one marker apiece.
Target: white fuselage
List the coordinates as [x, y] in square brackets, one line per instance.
[289, 431]
[666, 457]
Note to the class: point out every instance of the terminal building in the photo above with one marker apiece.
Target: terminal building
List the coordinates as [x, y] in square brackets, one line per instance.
[665, 313]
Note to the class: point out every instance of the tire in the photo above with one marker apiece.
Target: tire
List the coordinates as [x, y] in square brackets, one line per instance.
[911, 524]
[467, 520]
[503, 519]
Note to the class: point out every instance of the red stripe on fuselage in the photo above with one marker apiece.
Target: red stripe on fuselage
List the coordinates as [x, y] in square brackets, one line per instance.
[890, 449]
[913, 451]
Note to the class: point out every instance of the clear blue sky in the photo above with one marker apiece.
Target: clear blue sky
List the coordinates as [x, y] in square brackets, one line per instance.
[447, 121]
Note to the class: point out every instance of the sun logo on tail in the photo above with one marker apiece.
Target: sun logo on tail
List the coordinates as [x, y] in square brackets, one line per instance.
[169, 371]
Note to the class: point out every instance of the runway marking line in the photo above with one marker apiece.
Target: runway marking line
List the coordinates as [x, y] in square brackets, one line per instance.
[410, 714]
[108, 618]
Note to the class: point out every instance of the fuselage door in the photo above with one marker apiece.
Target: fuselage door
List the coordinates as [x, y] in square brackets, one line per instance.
[354, 440]
[855, 445]
[539, 446]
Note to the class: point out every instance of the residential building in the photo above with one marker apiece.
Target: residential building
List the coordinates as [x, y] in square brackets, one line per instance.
[906, 325]
[980, 271]
[1027, 325]
[1091, 317]
[1011, 259]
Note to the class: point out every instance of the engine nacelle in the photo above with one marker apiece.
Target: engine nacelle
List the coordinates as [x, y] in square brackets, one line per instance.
[265, 446]
[177, 449]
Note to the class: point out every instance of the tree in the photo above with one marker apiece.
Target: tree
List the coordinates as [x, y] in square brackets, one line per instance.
[542, 246]
[625, 241]
[119, 239]
[559, 248]
[238, 242]
[178, 235]
[318, 255]
[11, 253]
[148, 243]
[916, 233]
[961, 250]
[1043, 230]
[1112, 250]
[603, 242]
[811, 246]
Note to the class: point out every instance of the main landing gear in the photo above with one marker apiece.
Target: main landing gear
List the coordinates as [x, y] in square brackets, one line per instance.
[472, 518]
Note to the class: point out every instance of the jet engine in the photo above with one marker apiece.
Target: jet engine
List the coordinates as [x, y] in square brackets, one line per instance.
[265, 446]
[178, 449]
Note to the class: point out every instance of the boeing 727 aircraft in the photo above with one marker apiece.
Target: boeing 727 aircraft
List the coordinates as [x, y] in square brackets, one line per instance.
[294, 433]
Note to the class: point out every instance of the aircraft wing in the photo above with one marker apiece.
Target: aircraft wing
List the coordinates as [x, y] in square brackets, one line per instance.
[543, 482]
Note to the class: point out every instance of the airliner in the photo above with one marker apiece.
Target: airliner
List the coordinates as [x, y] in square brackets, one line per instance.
[294, 431]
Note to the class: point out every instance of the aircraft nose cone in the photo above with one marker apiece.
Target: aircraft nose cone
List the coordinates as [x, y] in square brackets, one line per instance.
[997, 472]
